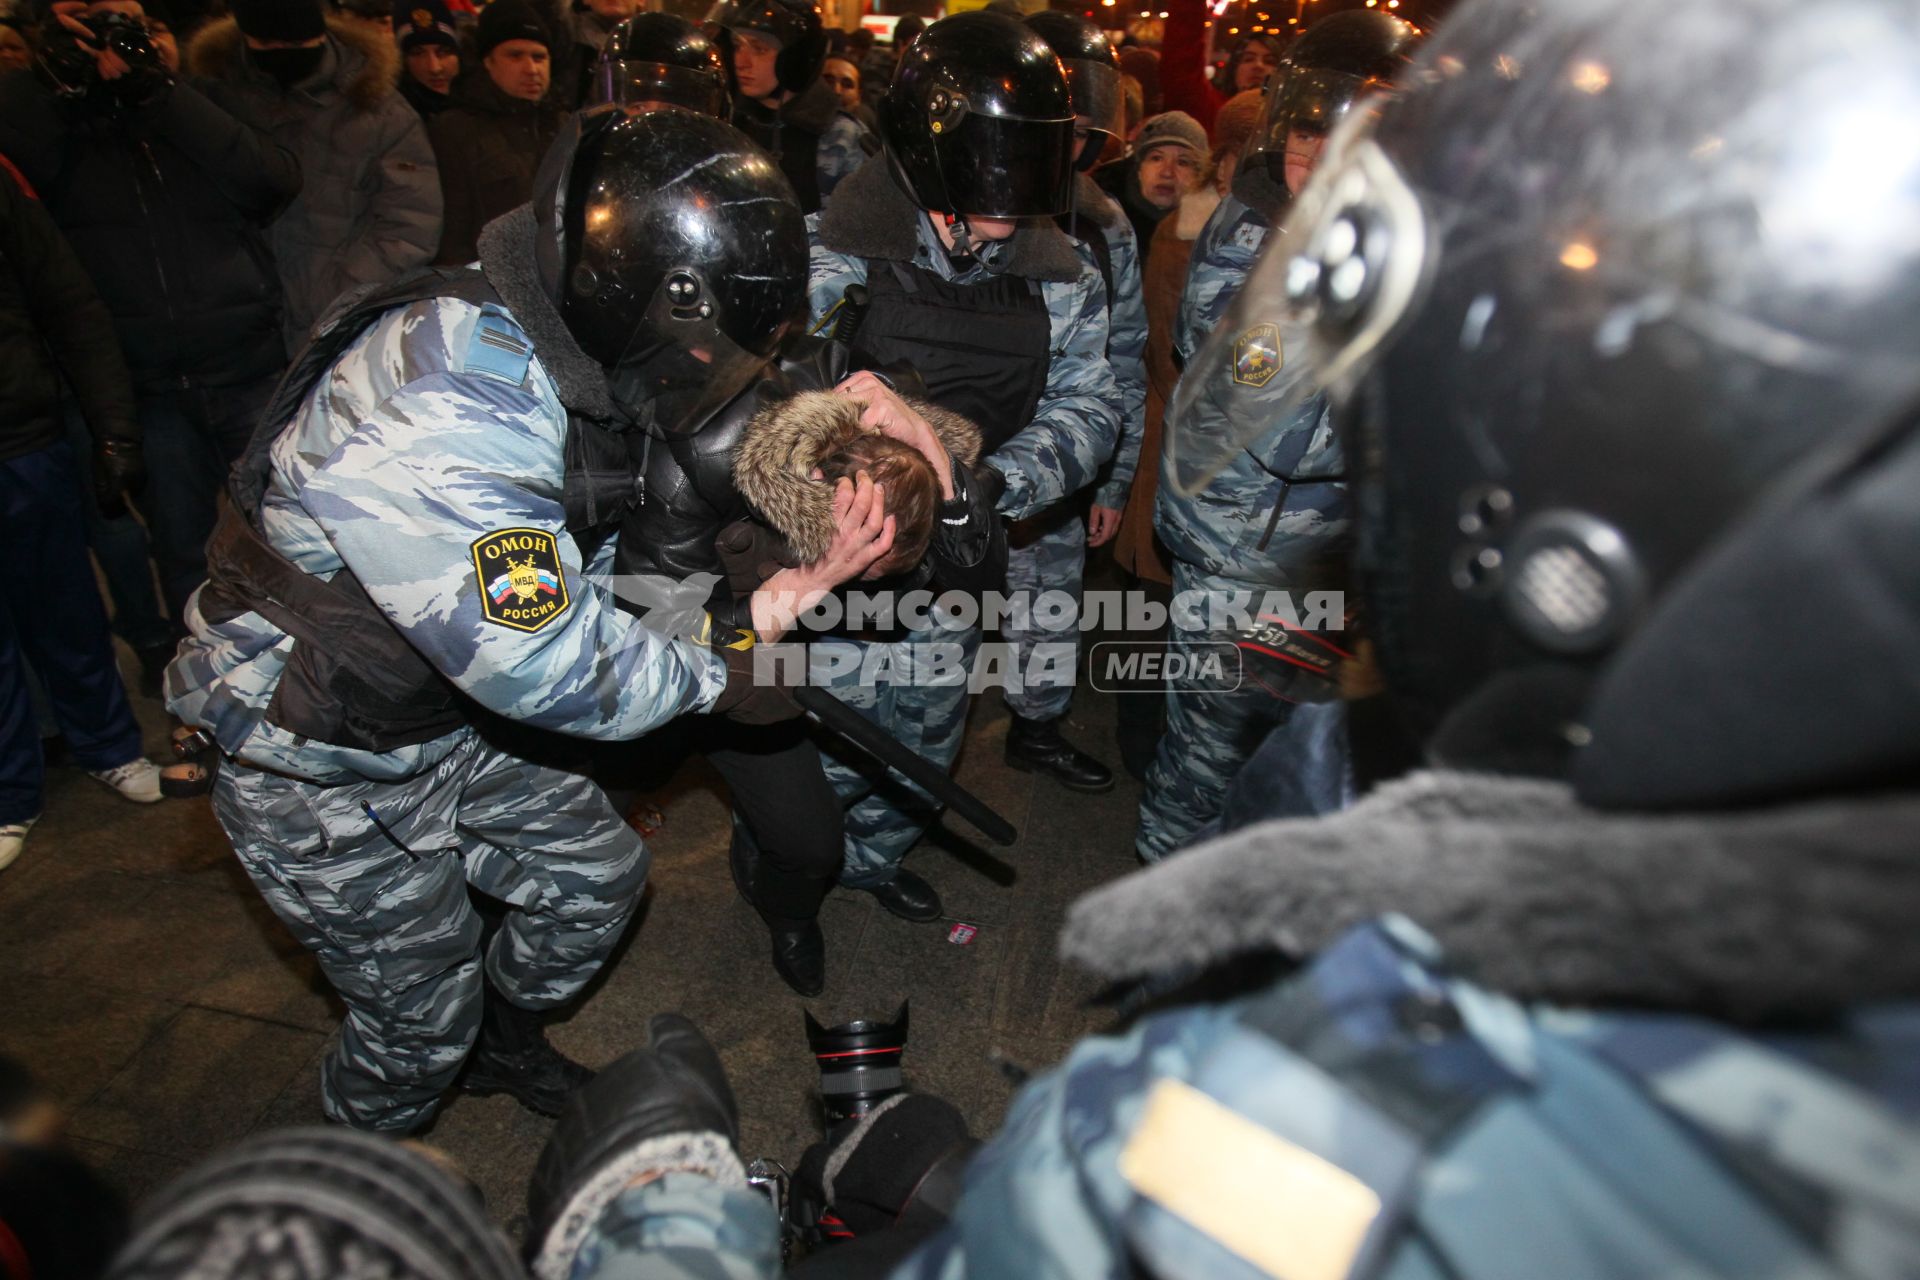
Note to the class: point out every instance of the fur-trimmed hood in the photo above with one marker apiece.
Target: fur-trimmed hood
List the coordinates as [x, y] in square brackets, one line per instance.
[365, 68]
[784, 442]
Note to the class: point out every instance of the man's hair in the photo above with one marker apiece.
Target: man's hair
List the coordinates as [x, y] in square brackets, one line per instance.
[912, 491]
[860, 41]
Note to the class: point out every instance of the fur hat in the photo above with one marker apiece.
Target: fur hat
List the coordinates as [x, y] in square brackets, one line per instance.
[784, 442]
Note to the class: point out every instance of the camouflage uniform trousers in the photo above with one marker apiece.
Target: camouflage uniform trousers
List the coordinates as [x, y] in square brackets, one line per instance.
[387, 915]
[921, 699]
[1212, 732]
[1045, 554]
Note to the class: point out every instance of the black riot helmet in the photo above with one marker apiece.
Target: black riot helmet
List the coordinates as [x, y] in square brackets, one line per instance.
[684, 260]
[1335, 63]
[795, 24]
[978, 120]
[660, 59]
[1624, 363]
[1093, 76]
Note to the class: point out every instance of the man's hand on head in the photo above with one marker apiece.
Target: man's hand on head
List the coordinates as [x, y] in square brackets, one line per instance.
[894, 418]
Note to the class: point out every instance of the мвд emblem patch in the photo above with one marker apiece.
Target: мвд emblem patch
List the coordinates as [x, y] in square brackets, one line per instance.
[521, 583]
[1256, 355]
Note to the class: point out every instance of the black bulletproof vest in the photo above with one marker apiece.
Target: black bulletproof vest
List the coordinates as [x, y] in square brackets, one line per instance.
[981, 349]
[351, 679]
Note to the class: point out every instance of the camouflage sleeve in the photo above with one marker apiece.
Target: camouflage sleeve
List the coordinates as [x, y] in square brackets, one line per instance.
[444, 502]
[1127, 353]
[843, 148]
[1046, 1197]
[1078, 419]
[828, 275]
[1200, 304]
[682, 1226]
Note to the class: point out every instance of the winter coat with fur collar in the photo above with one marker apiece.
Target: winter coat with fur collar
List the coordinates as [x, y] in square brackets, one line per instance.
[369, 207]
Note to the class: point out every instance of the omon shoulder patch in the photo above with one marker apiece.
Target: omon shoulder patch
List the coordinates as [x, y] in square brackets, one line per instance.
[521, 584]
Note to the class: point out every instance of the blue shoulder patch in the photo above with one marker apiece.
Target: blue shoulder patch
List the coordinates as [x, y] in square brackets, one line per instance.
[498, 348]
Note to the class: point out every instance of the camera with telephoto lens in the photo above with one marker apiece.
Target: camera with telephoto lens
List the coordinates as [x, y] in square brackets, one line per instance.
[859, 1065]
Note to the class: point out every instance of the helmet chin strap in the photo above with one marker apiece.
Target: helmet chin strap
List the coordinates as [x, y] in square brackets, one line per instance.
[962, 235]
[965, 247]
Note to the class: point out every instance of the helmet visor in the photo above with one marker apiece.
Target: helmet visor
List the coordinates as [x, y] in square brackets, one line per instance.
[679, 367]
[998, 167]
[1304, 106]
[1095, 90]
[1327, 293]
[642, 86]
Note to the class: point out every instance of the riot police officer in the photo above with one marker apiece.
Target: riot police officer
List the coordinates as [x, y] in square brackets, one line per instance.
[775, 49]
[417, 528]
[1647, 1005]
[940, 253]
[659, 60]
[1048, 552]
[1270, 514]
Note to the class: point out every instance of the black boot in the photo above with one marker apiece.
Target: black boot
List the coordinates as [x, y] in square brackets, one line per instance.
[1035, 746]
[909, 897]
[799, 954]
[514, 1058]
[799, 948]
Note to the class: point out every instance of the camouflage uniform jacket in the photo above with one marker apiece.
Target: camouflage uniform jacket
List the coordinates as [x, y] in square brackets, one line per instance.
[1077, 422]
[1126, 336]
[1423, 1126]
[427, 459]
[1277, 514]
[1373, 1114]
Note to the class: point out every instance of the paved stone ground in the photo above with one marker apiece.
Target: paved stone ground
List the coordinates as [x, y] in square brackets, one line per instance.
[152, 990]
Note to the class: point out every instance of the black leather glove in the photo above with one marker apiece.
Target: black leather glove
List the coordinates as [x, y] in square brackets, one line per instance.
[752, 695]
[751, 553]
[119, 472]
[992, 484]
[663, 1108]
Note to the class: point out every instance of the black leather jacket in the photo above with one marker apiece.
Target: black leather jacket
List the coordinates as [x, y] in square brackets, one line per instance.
[688, 497]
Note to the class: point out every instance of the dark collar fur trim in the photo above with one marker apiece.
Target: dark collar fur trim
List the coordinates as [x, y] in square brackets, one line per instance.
[1793, 911]
[507, 257]
[871, 216]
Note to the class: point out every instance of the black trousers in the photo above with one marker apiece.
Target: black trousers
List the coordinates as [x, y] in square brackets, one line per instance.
[788, 838]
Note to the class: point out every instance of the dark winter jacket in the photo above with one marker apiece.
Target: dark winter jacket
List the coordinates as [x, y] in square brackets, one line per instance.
[369, 209]
[488, 144]
[51, 322]
[167, 207]
[423, 100]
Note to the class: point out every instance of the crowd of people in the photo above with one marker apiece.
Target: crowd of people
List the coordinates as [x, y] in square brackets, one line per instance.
[495, 386]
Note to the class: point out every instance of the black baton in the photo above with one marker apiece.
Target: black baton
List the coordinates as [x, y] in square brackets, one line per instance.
[835, 716]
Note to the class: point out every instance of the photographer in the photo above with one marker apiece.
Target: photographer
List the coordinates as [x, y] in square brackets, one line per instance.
[164, 193]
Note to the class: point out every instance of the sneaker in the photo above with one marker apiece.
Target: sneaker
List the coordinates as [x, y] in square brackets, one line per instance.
[137, 780]
[13, 837]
